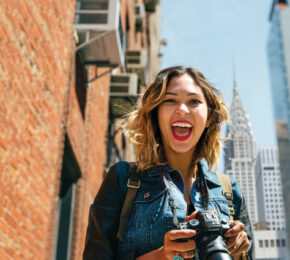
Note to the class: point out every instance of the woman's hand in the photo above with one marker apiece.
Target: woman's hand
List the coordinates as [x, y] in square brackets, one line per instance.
[237, 239]
[172, 247]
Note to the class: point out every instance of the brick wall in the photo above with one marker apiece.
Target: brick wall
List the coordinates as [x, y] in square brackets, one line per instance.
[36, 51]
[45, 94]
[94, 153]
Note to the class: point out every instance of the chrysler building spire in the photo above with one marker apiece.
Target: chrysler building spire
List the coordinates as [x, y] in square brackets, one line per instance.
[240, 152]
[239, 117]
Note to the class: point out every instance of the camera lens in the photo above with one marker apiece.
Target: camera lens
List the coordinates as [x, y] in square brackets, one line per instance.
[213, 248]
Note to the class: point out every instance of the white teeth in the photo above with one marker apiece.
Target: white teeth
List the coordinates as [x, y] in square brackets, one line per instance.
[182, 125]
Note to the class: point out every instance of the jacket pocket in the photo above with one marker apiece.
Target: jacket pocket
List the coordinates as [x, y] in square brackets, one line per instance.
[221, 206]
[146, 208]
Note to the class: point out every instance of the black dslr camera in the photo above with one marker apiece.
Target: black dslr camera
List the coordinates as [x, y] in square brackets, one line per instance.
[209, 239]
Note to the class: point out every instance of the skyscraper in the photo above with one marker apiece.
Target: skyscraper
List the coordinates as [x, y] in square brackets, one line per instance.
[240, 153]
[279, 64]
[269, 192]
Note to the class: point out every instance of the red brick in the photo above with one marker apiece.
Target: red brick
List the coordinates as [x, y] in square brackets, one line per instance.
[3, 142]
[10, 220]
[39, 33]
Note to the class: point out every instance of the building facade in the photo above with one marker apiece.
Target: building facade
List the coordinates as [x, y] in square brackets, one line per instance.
[240, 153]
[269, 189]
[64, 68]
[279, 67]
[270, 245]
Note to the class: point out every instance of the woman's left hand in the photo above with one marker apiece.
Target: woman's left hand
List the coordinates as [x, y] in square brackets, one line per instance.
[237, 241]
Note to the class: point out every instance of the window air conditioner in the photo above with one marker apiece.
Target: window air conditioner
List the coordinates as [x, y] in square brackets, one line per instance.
[136, 59]
[150, 5]
[124, 85]
[139, 17]
[99, 28]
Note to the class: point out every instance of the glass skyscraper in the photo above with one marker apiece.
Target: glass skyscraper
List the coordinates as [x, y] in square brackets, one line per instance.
[279, 65]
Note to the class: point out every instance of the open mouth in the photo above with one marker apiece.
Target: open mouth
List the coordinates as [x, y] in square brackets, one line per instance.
[181, 130]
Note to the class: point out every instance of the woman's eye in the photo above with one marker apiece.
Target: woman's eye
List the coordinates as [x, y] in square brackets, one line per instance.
[195, 101]
[169, 101]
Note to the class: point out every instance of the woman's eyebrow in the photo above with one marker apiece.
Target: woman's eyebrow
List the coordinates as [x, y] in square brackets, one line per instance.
[189, 94]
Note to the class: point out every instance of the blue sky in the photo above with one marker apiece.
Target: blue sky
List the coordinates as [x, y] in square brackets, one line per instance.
[212, 35]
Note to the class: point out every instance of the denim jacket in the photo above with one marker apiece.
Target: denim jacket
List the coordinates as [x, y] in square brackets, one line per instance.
[151, 216]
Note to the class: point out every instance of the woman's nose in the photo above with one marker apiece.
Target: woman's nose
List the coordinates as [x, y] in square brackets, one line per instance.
[182, 109]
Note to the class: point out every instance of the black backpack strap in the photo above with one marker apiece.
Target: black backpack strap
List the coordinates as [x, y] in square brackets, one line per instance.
[227, 192]
[132, 188]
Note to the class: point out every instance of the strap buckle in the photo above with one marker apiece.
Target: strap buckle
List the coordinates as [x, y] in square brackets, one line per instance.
[232, 211]
[133, 184]
[228, 195]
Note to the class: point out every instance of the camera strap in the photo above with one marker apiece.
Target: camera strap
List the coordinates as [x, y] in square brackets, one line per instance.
[202, 185]
[171, 200]
[203, 191]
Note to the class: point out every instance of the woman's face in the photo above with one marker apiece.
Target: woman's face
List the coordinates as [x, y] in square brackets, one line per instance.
[182, 117]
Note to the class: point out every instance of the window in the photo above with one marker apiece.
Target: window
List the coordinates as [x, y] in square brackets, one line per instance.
[266, 243]
[69, 175]
[283, 243]
[278, 242]
[272, 243]
[260, 243]
[81, 84]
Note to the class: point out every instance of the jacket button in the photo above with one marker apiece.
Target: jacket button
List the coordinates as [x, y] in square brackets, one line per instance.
[146, 195]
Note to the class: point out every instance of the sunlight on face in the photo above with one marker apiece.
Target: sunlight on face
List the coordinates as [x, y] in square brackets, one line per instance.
[182, 117]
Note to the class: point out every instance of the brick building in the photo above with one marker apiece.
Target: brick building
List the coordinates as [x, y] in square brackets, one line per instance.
[63, 68]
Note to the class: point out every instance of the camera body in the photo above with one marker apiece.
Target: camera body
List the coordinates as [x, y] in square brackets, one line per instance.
[209, 236]
[206, 223]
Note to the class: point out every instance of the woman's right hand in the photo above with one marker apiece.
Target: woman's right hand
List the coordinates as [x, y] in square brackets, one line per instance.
[173, 248]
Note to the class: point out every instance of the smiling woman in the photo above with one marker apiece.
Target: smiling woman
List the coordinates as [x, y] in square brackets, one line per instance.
[176, 132]
[184, 90]
[182, 116]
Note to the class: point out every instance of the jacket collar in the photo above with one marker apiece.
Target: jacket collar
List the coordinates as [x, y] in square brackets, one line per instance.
[210, 177]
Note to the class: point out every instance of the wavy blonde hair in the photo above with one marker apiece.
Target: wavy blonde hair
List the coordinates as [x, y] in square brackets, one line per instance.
[142, 128]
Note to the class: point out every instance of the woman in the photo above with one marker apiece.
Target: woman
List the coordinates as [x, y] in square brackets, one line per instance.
[176, 133]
